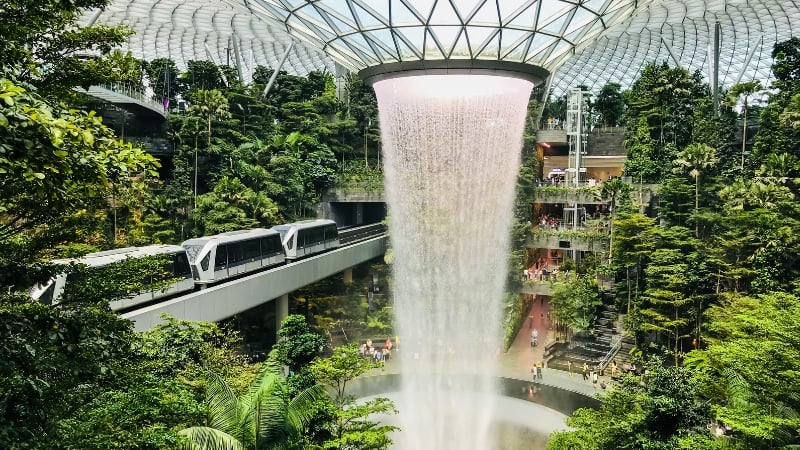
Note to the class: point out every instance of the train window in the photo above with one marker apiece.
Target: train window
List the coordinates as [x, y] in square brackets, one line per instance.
[270, 245]
[290, 242]
[331, 232]
[221, 259]
[235, 252]
[251, 249]
[204, 262]
[181, 264]
[47, 296]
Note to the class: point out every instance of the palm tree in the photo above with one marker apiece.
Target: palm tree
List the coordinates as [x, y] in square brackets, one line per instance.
[208, 105]
[779, 169]
[736, 92]
[265, 417]
[612, 190]
[696, 157]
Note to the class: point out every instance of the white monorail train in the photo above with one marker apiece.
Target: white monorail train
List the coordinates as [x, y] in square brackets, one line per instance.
[308, 237]
[227, 255]
[209, 260]
[177, 265]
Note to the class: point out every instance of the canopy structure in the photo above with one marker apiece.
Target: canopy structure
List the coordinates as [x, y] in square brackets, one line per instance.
[580, 42]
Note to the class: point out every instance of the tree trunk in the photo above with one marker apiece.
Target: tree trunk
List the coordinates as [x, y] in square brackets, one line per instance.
[696, 205]
[629, 289]
[744, 130]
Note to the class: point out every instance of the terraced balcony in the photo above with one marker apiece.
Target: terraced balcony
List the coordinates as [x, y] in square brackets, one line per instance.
[584, 195]
[591, 240]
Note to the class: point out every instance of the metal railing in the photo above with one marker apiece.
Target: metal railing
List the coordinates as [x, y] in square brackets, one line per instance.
[616, 344]
[129, 91]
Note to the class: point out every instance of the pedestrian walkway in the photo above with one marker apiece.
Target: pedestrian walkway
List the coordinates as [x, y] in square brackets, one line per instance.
[516, 363]
[520, 357]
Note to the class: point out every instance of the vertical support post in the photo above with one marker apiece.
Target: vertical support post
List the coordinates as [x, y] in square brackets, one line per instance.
[348, 275]
[281, 311]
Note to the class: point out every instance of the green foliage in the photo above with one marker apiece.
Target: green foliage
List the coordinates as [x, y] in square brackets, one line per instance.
[659, 411]
[52, 361]
[56, 161]
[355, 176]
[351, 428]
[641, 163]
[140, 416]
[176, 346]
[43, 45]
[750, 368]
[665, 304]
[163, 76]
[610, 105]
[575, 302]
[297, 345]
[201, 75]
[515, 309]
[264, 417]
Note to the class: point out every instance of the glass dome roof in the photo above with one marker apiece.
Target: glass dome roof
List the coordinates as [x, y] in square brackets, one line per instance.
[589, 42]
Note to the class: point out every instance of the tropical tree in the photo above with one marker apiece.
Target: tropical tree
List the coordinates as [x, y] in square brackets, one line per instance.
[635, 241]
[666, 302]
[613, 190]
[641, 163]
[163, 75]
[264, 417]
[57, 161]
[207, 105]
[296, 348]
[352, 430]
[660, 411]
[743, 91]
[749, 370]
[43, 45]
[201, 75]
[610, 105]
[696, 158]
[575, 303]
[791, 114]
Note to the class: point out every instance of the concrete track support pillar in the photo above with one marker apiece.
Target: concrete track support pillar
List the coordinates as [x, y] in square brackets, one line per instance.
[281, 311]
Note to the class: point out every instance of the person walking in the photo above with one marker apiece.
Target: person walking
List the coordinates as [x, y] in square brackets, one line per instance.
[569, 367]
[539, 367]
[594, 379]
[585, 371]
[534, 337]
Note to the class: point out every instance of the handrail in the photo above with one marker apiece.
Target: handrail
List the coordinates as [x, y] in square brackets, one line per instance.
[616, 344]
[130, 91]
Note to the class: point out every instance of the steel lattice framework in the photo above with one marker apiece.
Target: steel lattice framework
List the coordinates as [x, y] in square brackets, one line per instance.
[588, 42]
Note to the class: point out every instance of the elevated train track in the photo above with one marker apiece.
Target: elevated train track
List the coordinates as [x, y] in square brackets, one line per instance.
[357, 245]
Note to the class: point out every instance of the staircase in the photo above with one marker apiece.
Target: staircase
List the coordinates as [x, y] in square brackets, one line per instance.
[596, 348]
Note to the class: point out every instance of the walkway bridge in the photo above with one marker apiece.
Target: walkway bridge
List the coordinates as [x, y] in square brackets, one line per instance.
[128, 99]
[223, 301]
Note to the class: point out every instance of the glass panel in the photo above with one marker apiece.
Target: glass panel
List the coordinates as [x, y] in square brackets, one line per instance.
[222, 257]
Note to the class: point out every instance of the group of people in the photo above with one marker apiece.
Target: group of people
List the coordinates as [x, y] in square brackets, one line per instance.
[536, 370]
[377, 354]
[554, 123]
[533, 273]
[592, 374]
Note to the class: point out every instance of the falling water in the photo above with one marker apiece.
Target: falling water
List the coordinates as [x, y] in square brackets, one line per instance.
[451, 146]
